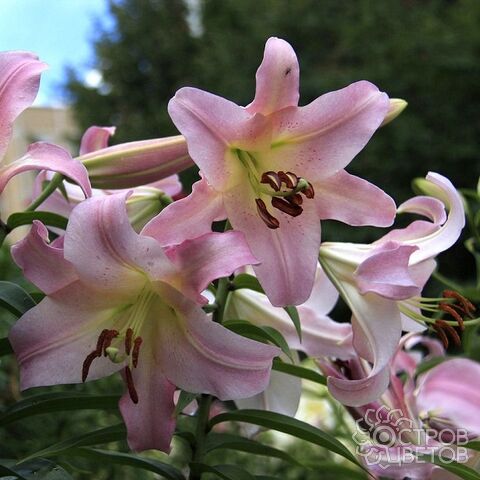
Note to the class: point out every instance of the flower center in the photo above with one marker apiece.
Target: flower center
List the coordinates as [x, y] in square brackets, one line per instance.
[284, 188]
[123, 344]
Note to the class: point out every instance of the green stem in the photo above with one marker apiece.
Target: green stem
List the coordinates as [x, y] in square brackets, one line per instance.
[46, 192]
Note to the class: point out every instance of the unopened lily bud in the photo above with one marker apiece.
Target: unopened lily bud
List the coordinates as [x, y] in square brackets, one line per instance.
[397, 106]
[144, 204]
[136, 163]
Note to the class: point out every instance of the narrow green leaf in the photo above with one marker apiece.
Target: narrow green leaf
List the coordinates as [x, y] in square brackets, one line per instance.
[245, 280]
[262, 334]
[298, 371]
[226, 472]
[5, 347]
[57, 401]
[26, 218]
[113, 433]
[216, 441]
[15, 299]
[293, 314]
[6, 471]
[474, 445]
[39, 469]
[184, 399]
[453, 467]
[131, 460]
[286, 424]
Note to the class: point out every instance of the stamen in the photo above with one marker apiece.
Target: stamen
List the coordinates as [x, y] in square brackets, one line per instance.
[451, 331]
[309, 192]
[109, 336]
[467, 306]
[295, 199]
[448, 309]
[289, 179]
[87, 363]
[100, 341]
[136, 351]
[287, 207]
[130, 385]
[269, 220]
[441, 334]
[128, 341]
[272, 179]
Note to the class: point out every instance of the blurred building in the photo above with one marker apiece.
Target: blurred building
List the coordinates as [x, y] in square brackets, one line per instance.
[54, 125]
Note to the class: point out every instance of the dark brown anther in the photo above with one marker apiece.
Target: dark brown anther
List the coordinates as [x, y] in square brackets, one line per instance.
[295, 199]
[451, 311]
[88, 362]
[136, 350]
[269, 220]
[451, 332]
[107, 341]
[128, 340]
[466, 305]
[130, 385]
[100, 341]
[289, 179]
[309, 192]
[286, 207]
[272, 179]
[441, 334]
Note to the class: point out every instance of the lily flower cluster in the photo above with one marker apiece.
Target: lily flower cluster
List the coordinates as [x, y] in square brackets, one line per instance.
[126, 281]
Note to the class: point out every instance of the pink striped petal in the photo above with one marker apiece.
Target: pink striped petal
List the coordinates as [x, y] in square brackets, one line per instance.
[42, 263]
[106, 251]
[450, 391]
[206, 258]
[19, 80]
[190, 217]
[45, 156]
[386, 272]
[277, 79]
[95, 138]
[288, 255]
[150, 423]
[214, 126]
[52, 340]
[206, 356]
[323, 137]
[353, 200]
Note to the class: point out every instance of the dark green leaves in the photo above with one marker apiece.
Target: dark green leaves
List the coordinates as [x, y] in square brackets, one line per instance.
[298, 371]
[293, 314]
[244, 280]
[26, 218]
[225, 472]
[57, 401]
[292, 426]
[5, 347]
[15, 299]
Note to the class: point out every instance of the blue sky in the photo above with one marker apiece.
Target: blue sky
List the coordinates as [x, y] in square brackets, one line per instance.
[60, 32]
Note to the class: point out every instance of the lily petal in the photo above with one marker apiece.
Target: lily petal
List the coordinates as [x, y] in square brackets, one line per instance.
[52, 340]
[277, 79]
[192, 216]
[42, 263]
[214, 126]
[353, 200]
[206, 258]
[106, 251]
[45, 156]
[95, 138]
[287, 255]
[323, 137]
[150, 423]
[207, 357]
[386, 272]
[450, 390]
[19, 80]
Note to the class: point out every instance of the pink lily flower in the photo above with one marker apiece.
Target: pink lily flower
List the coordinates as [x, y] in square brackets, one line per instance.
[19, 80]
[321, 337]
[276, 169]
[131, 164]
[119, 301]
[142, 204]
[382, 283]
[426, 415]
